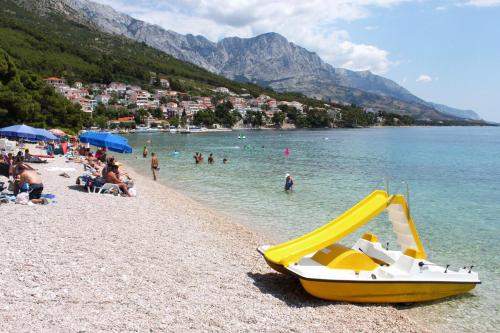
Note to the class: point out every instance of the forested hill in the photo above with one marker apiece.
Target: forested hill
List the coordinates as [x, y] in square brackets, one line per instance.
[25, 98]
[54, 46]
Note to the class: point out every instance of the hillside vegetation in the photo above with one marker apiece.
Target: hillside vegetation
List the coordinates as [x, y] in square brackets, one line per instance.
[25, 98]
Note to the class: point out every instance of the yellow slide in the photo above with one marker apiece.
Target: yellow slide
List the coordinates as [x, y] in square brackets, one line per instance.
[292, 251]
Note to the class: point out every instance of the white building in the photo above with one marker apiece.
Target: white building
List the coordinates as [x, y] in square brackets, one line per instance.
[222, 90]
[103, 99]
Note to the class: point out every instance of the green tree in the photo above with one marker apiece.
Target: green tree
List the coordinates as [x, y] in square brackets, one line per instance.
[204, 117]
[317, 118]
[157, 113]
[140, 116]
[278, 118]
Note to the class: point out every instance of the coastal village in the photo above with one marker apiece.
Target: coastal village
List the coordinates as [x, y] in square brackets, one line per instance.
[166, 107]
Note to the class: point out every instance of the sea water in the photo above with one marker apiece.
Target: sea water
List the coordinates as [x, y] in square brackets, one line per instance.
[452, 174]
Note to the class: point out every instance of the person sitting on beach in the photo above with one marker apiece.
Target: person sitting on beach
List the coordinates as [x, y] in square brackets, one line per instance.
[155, 165]
[145, 152]
[31, 180]
[288, 182]
[211, 159]
[27, 154]
[112, 176]
[20, 156]
[100, 153]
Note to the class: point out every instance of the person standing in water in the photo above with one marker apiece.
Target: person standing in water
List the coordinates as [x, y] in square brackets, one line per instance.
[196, 159]
[288, 182]
[145, 152]
[211, 158]
[155, 165]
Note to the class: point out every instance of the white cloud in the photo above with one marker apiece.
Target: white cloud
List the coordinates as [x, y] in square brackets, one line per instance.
[311, 24]
[424, 78]
[441, 8]
[482, 3]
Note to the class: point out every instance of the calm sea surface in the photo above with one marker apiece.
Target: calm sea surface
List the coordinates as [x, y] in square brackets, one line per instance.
[453, 175]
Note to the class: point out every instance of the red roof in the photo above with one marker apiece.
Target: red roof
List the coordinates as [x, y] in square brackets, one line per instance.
[125, 119]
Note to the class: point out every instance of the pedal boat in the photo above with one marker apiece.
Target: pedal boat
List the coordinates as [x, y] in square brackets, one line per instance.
[368, 272]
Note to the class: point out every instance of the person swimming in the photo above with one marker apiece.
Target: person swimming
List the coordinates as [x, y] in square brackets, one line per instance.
[211, 158]
[288, 182]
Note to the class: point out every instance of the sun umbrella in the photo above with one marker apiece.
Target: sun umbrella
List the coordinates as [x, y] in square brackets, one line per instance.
[20, 132]
[45, 135]
[57, 132]
[106, 140]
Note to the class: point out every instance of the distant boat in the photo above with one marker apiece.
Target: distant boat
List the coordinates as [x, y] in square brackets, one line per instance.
[192, 129]
[146, 129]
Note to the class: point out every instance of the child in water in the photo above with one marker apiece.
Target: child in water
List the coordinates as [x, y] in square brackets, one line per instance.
[288, 182]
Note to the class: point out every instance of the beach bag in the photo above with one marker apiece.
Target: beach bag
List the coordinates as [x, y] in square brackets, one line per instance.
[23, 198]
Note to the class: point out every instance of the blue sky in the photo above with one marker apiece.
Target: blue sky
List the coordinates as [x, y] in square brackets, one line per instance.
[443, 51]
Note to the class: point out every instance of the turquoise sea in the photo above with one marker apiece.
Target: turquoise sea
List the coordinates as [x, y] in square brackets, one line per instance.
[453, 175]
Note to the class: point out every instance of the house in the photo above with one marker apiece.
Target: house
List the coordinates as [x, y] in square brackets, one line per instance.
[55, 81]
[297, 105]
[139, 98]
[272, 103]
[78, 85]
[238, 102]
[88, 105]
[164, 83]
[170, 110]
[222, 90]
[190, 107]
[117, 88]
[103, 99]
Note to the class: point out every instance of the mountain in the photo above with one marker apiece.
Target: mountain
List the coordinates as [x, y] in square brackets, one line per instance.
[53, 45]
[459, 113]
[268, 60]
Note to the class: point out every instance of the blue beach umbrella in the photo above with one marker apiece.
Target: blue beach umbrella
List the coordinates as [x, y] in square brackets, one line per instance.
[19, 132]
[106, 140]
[45, 135]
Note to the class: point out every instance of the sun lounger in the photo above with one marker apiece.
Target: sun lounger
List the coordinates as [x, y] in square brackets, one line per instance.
[110, 188]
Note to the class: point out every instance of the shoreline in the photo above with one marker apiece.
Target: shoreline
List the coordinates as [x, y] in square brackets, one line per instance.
[160, 261]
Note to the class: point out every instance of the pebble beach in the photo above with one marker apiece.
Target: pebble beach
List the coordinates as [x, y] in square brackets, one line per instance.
[158, 262]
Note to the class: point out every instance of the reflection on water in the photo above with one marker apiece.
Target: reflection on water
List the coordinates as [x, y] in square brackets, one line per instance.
[453, 173]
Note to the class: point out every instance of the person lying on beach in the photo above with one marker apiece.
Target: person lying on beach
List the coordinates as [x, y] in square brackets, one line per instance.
[112, 176]
[32, 159]
[32, 182]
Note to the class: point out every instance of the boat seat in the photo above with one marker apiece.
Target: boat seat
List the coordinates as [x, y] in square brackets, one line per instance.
[337, 256]
[374, 250]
